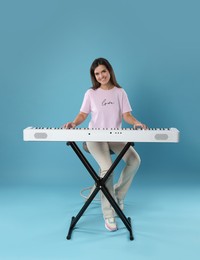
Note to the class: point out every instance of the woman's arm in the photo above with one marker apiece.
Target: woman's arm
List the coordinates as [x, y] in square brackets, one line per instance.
[77, 121]
[130, 119]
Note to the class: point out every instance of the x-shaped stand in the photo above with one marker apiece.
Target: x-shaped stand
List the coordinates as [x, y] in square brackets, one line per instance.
[100, 185]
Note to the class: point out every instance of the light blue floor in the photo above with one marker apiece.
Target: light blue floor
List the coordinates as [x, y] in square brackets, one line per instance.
[34, 221]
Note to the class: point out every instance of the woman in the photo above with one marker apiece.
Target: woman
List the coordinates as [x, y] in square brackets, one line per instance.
[108, 104]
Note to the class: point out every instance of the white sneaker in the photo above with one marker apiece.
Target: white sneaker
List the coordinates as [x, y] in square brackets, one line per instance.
[110, 224]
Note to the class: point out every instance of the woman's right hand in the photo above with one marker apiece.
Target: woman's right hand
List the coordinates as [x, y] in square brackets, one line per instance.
[69, 125]
[79, 119]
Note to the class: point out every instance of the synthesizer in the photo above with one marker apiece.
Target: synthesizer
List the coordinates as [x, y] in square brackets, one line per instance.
[163, 135]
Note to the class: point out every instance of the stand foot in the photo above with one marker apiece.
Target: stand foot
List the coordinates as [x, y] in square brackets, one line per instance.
[68, 237]
[131, 231]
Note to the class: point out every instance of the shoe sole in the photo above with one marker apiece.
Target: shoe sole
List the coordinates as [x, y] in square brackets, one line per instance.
[110, 229]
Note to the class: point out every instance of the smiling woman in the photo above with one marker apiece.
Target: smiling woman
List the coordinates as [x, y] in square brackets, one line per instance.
[102, 74]
[108, 104]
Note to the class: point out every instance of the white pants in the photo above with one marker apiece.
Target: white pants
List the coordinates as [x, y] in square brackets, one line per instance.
[101, 153]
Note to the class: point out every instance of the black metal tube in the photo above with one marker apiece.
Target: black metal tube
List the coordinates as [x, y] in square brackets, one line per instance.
[84, 161]
[100, 185]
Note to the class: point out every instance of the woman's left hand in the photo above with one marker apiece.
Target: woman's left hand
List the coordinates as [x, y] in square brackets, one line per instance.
[140, 125]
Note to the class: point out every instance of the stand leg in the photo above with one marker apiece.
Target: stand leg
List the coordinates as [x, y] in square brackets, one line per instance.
[131, 232]
[70, 229]
[81, 212]
[100, 185]
[85, 162]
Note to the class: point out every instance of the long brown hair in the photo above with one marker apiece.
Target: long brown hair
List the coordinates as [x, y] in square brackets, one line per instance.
[106, 63]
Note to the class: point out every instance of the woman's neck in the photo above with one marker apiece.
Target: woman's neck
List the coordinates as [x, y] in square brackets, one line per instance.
[107, 86]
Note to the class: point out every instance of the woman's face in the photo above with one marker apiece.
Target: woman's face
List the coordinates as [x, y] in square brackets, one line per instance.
[102, 75]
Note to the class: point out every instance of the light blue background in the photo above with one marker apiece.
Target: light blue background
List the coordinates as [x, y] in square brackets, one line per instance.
[46, 49]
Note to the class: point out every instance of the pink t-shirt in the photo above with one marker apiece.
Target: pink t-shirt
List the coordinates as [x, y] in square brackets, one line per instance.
[106, 107]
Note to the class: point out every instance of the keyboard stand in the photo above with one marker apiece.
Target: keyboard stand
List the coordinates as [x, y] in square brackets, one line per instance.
[100, 185]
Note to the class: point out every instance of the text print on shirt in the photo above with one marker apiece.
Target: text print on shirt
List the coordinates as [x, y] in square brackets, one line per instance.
[105, 103]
